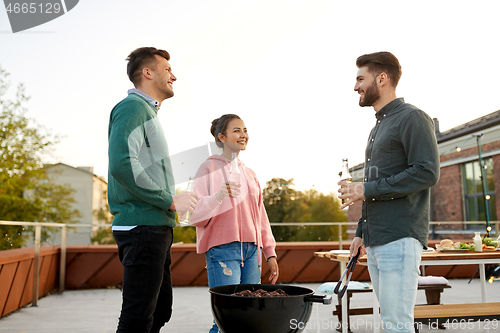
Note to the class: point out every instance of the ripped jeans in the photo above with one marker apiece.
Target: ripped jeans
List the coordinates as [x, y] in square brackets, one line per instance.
[224, 266]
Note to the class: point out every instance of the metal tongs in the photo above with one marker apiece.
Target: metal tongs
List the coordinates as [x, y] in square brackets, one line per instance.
[350, 269]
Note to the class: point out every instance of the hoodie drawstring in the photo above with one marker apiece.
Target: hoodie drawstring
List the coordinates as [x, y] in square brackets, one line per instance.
[256, 226]
[258, 235]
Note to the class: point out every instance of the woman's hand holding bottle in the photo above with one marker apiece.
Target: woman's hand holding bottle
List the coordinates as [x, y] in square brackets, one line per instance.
[232, 187]
[229, 189]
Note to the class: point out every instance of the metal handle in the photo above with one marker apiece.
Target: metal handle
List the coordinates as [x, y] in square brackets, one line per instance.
[350, 269]
[325, 299]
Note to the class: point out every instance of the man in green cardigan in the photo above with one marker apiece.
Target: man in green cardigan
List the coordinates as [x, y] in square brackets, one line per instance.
[141, 193]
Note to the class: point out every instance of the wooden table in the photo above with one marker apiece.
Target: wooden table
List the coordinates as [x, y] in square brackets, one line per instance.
[429, 258]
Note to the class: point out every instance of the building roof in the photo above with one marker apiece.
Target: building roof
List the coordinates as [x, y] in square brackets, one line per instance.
[470, 127]
[473, 126]
[83, 169]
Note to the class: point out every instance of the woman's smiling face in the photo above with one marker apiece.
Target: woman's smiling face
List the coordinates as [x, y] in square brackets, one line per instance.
[235, 135]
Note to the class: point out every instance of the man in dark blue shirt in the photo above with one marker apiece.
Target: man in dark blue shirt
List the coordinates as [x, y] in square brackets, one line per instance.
[401, 165]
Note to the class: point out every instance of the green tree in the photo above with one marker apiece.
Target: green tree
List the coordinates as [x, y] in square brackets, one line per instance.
[320, 208]
[278, 200]
[26, 192]
[184, 234]
[284, 204]
[104, 235]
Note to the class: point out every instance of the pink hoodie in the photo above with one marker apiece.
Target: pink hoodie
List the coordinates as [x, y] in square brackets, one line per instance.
[221, 223]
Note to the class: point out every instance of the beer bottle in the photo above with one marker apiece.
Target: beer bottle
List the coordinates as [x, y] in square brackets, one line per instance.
[345, 176]
[234, 171]
[187, 217]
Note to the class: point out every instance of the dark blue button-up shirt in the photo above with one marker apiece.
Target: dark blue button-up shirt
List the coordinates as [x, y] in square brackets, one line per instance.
[401, 164]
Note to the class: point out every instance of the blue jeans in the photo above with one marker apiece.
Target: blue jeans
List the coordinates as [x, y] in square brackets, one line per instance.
[224, 266]
[147, 284]
[394, 270]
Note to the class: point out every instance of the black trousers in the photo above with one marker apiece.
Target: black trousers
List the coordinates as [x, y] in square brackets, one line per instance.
[147, 283]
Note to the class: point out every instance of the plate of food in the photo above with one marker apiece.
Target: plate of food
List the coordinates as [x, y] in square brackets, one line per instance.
[489, 244]
[447, 245]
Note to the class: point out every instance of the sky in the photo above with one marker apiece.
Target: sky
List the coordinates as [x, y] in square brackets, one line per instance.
[287, 68]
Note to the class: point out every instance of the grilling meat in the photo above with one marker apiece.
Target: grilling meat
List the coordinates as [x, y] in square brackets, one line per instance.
[261, 293]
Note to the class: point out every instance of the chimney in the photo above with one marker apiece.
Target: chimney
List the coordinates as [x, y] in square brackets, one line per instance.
[87, 168]
[436, 126]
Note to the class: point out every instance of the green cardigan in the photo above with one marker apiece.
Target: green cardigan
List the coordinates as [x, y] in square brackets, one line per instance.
[140, 180]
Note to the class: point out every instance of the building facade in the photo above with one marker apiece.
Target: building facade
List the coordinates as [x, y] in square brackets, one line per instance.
[461, 194]
[458, 195]
[90, 196]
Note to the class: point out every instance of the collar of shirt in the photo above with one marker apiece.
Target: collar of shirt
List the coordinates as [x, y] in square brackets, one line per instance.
[386, 110]
[148, 98]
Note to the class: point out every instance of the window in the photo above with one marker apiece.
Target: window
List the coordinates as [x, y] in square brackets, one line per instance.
[473, 190]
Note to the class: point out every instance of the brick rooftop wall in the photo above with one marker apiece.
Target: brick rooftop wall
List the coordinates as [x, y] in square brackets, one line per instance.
[447, 198]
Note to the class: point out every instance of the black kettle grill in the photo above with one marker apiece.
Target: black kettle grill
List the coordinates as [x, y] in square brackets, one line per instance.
[248, 314]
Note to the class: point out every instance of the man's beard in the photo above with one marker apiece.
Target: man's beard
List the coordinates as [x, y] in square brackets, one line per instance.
[372, 94]
[164, 89]
[167, 91]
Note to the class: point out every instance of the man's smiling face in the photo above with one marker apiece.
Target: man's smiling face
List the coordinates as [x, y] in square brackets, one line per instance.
[366, 87]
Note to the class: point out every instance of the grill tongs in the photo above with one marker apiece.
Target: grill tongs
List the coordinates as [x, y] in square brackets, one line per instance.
[350, 269]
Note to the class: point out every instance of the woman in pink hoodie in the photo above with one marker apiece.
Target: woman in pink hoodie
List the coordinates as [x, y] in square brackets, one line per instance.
[231, 222]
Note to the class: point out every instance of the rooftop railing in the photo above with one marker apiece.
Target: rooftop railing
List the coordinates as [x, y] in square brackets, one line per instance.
[64, 233]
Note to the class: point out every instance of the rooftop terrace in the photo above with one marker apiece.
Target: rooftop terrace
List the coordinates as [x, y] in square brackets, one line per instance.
[96, 311]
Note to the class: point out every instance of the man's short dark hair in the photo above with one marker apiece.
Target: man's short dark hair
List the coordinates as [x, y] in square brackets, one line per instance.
[381, 62]
[141, 58]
